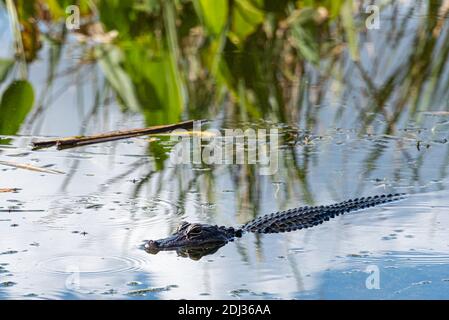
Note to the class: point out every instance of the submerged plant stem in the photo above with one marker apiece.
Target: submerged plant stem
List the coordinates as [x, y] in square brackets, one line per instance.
[29, 167]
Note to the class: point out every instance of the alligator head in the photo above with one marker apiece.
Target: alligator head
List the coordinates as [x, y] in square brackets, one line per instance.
[194, 240]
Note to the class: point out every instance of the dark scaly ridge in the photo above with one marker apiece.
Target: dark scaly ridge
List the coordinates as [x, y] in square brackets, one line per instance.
[306, 217]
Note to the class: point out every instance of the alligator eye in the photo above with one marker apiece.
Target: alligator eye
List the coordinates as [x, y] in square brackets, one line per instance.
[194, 230]
[182, 226]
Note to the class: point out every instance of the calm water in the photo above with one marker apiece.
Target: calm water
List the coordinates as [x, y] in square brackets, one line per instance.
[86, 241]
[78, 235]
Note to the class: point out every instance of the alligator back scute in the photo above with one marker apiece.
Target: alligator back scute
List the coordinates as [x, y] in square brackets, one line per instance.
[306, 217]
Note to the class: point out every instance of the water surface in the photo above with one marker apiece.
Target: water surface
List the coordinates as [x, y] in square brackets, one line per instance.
[79, 235]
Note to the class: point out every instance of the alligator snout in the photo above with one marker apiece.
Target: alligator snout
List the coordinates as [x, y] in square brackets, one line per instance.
[152, 246]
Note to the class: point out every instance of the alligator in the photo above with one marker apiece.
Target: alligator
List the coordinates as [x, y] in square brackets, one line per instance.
[195, 240]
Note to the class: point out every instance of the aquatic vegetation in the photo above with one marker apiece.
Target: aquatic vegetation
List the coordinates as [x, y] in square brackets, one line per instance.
[166, 58]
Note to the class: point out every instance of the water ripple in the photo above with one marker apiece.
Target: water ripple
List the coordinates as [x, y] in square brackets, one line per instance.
[410, 258]
[84, 264]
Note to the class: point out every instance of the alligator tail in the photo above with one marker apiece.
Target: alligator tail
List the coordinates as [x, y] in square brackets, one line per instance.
[306, 217]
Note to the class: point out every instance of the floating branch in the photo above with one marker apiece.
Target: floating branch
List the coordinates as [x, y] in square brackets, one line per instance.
[30, 167]
[72, 142]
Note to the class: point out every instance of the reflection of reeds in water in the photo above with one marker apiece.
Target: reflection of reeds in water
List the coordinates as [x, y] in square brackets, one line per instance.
[18, 42]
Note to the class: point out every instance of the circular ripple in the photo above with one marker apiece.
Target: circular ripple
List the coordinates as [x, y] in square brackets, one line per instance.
[89, 265]
[110, 211]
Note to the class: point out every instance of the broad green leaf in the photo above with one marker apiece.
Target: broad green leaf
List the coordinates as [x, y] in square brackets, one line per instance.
[16, 102]
[156, 85]
[334, 7]
[25, 10]
[150, 64]
[213, 14]
[5, 66]
[159, 151]
[55, 9]
[302, 31]
[306, 44]
[246, 18]
[110, 63]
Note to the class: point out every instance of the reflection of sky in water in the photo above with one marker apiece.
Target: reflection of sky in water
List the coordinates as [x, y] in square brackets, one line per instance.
[5, 35]
[48, 255]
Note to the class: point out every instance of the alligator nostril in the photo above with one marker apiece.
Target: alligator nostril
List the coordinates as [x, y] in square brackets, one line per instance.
[152, 244]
